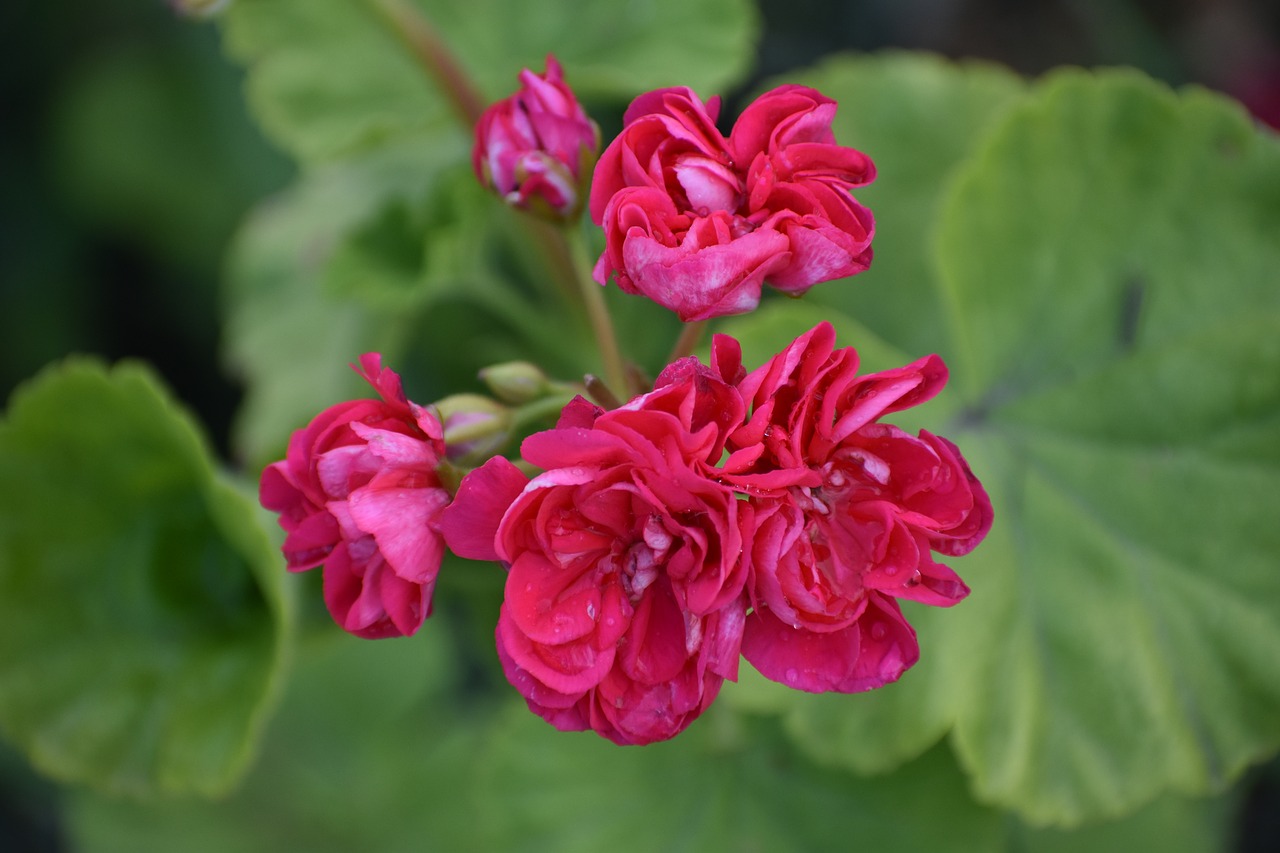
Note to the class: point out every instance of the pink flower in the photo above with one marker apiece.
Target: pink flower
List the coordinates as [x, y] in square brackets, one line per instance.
[698, 222]
[848, 511]
[358, 492]
[624, 602]
[534, 147]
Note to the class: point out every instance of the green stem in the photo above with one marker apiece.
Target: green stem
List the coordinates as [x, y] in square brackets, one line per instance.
[688, 340]
[429, 49]
[537, 410]
[615, 373]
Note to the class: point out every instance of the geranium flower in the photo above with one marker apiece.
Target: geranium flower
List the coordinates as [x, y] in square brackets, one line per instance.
[358, 492]
[624, 602]
[848, 511]
[698, 222]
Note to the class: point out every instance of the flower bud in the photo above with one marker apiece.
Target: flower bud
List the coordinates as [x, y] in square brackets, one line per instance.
[475, 427]
[536, 147]
[516, 382]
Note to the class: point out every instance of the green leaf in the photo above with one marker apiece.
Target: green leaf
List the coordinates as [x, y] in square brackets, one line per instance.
[918, 117]
[1170, 825]
[1109, 255]
[369, 751]
[141, 609]
[725, 784]
[293, 320]
[328, 77]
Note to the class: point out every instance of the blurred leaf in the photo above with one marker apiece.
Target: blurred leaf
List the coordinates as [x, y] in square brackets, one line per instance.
[140, 602]
[918, 117]
[1170, 825]
[368, 752]
[327, 77]
[287, 335]
[1110, 258]
[716, 787]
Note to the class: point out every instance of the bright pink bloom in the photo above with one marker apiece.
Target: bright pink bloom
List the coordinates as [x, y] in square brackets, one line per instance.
[534, 147]
[848, 510]
[699, 222]
[624, 603]
[358, 492]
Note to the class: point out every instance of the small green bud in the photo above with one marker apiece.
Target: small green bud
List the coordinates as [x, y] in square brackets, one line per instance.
[475, 427]
[516, 382]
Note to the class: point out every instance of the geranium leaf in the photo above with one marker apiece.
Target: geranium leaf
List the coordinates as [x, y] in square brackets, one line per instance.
[293, 322]
[725, 784]
[328, 77]
[1170, 825]
[1110, 257]
[365, 753]
[141, 610]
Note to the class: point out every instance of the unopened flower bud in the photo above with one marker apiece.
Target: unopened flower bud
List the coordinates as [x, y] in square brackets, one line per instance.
[516, 382]
[475, 427]
[537, 147]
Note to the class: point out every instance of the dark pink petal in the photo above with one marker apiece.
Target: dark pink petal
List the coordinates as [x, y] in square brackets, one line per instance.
[310, 541]
[549, 603]
[470, 523]
[708, 275]
[964, 536]
[568, 668]
[869, 653]
[783, 116]
[657, 646]
[367, 599]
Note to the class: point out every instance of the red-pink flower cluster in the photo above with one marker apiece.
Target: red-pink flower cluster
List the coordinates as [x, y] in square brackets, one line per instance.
[534, 147]
[768, 514]
[699, 222]
[848, 511]
[358, 491]
[724, 514]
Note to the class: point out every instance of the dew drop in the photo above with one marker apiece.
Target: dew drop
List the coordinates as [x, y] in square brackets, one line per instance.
[792, 676]
[591, 611]
[878, 631]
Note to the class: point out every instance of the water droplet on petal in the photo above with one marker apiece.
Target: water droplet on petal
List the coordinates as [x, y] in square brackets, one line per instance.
[792, 676]
[878, 631]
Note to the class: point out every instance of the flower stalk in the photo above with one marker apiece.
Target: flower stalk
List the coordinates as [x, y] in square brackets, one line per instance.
[417, 33]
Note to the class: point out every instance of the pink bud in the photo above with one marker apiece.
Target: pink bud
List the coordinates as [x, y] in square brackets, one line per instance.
[534, 147]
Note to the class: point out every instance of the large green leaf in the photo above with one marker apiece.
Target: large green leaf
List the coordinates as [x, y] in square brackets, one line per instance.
[140, 601]
[1170, 825]
[918, 117]
[327, 77]
[368, 752]
[1110, 259]
[725, 784]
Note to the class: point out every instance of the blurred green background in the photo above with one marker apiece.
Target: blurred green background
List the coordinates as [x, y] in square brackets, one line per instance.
[129, 160]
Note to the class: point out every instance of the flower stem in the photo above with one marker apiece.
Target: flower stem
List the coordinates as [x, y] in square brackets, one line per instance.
[615, 373]
[413, 28]
[688, 340]
[540, 409]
